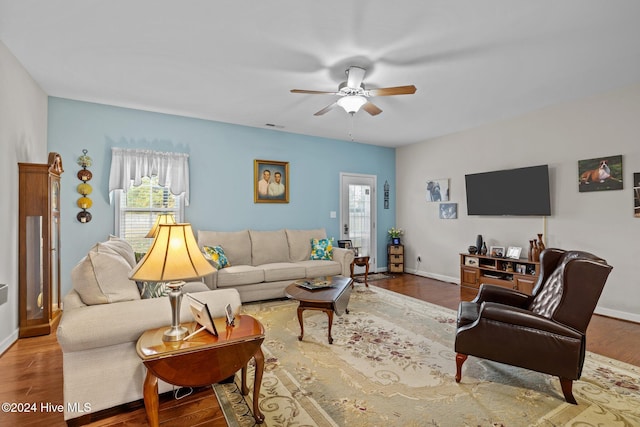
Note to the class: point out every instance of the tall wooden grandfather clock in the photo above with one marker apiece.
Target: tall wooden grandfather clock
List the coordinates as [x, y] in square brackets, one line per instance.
[39, 246]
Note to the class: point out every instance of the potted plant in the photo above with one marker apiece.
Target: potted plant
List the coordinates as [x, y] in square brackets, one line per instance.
[394, 234]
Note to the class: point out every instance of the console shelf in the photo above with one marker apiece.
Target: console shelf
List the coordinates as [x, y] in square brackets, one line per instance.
[520, 274]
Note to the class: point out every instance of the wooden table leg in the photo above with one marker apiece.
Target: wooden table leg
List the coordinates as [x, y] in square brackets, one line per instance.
[366, 273]
[257, 383]
[243, 379]
[300, 310]
[150, 393]
[330, 316]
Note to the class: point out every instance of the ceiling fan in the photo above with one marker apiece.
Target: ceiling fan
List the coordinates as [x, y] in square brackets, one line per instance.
[353, 94]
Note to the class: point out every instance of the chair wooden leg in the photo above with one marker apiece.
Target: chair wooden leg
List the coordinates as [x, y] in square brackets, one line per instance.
[567, 387]
[460, 358]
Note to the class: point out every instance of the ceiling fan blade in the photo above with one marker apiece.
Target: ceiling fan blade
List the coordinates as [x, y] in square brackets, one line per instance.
[355, 75]
[326, 109]
[371, 108]
[313, 92]
[398, 90]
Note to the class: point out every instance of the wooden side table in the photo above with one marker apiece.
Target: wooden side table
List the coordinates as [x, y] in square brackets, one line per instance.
[202, 360]
[361, 261]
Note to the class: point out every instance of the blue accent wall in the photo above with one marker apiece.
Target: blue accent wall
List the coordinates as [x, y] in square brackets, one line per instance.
[221, 172]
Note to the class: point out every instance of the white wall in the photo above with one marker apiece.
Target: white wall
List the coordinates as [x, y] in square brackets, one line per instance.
[23, 138]
[598, 222]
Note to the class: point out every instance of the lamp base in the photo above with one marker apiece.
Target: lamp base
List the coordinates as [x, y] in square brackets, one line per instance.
[176, 332]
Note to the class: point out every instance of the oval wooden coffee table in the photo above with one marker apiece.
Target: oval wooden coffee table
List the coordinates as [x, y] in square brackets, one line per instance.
[334, 299]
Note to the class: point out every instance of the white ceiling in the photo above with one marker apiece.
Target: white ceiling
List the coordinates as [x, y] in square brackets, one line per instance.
[472, 61]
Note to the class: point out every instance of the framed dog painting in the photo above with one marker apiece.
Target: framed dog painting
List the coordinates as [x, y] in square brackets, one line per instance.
[600, 174]
[438, 190]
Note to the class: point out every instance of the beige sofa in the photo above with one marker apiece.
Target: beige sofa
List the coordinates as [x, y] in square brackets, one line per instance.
[264, 263]
[102, 320]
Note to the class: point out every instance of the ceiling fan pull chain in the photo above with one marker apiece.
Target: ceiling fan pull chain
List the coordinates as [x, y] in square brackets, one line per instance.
[351, 119]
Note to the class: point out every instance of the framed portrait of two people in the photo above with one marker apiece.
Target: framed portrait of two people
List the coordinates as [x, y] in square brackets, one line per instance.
[270, 181]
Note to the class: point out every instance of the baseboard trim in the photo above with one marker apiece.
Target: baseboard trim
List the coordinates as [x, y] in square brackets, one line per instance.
[617, 314]
[9, 341]
[440, 277]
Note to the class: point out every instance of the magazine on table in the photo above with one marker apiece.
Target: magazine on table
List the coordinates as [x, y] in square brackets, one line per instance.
[317, 283]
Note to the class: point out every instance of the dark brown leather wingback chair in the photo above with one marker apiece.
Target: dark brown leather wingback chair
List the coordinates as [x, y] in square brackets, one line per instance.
[545, 331]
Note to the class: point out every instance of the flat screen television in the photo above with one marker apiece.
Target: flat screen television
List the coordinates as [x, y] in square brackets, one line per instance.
[522, 191]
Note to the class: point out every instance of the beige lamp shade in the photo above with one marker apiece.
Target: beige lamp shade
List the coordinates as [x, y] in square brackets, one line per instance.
[161, 219]
[174, 255]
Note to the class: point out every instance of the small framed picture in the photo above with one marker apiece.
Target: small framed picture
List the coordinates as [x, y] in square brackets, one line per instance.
[514, 252]
[496, 251]
[471, 261]
[346, 244]
[229, 312]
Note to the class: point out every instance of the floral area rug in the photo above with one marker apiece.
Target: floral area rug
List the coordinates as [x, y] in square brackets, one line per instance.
[392, 364]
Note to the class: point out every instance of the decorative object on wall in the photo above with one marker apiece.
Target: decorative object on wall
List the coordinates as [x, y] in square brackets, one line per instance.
[636, 194]
[448, 210]
[270, 181]
[84, 188]
[438, 190]
[600, 174]
[386, 194]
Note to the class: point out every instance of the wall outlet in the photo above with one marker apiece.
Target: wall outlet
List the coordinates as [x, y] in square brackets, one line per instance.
[419, 258]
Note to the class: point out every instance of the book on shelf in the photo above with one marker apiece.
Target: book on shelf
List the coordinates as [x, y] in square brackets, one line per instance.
[317, 283]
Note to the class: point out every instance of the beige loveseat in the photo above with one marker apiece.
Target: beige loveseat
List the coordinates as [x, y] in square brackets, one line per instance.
[103, 317]
[264, 263]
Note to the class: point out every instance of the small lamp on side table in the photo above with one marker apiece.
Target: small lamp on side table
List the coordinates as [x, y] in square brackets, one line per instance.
[174, 257]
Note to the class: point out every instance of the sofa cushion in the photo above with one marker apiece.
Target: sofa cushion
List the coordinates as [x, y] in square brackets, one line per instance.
[268, 247]
[321, 249]
[216, 255]
[118, 246]
[102, 278]
[236, 244]
[278, 271]
[317, 268]
[239, 275]
[298, 240]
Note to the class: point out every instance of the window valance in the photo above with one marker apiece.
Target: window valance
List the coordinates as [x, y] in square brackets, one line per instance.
[172, 169]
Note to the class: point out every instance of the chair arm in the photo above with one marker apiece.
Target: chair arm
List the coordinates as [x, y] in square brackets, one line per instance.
[502, 295]
[524, 318]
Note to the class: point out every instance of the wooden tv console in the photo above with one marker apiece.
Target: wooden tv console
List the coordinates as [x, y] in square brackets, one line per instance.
[519, 274]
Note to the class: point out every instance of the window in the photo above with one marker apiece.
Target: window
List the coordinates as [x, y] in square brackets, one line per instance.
[136, 210]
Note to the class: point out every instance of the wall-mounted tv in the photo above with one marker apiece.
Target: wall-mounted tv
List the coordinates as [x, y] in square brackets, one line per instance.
[522, 191]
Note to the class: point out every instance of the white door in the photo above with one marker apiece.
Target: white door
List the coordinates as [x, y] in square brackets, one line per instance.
[358, 215]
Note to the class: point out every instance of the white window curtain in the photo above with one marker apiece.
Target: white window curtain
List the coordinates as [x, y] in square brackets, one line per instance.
[172, 170]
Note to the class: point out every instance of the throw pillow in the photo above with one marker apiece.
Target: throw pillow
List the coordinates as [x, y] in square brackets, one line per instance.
[217, 257]
[322, 249]
[102, 278]
[152, 289]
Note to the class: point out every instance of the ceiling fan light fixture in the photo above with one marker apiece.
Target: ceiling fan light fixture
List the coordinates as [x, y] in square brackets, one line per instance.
[352, 104]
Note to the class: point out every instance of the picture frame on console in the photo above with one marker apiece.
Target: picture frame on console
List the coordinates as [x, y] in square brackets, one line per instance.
[496, 251]
[346, 244]
[270, 181]
[514, 252]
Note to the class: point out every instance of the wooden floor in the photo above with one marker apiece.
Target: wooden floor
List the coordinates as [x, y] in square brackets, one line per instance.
[31, 370]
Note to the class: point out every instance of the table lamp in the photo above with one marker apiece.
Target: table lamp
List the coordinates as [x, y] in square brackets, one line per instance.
[166, 218]
[174, 257]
